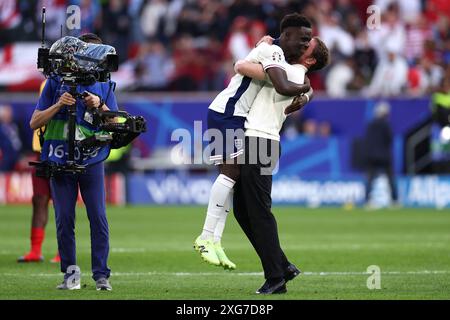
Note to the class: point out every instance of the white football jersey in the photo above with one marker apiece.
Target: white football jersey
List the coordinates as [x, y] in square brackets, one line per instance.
[237, 98]
[266, 115]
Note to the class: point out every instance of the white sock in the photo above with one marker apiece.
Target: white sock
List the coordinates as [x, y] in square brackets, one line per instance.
[223, 218]
[219, 194]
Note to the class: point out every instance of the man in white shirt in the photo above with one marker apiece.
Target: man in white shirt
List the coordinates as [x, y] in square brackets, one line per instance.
[390, 76]
[252, 197]
[226, 117]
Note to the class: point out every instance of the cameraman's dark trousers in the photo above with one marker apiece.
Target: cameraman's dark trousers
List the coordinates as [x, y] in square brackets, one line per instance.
[65, 193]
[252, 203]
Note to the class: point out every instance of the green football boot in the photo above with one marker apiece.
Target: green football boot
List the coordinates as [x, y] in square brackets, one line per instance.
[224, 261]
[207, 251]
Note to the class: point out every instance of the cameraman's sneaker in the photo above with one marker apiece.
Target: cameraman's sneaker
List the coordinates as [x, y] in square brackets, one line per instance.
[103, 284]
[207, 251]
[224, 261]
[69, 285]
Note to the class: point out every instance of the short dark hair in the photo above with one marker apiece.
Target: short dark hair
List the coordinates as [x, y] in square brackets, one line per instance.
[90, 38]
[294, 20]
[321, 54]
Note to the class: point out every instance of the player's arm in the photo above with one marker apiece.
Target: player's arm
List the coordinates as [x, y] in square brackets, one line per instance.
[272, 59]
[283, 86]
[277, 75]
[250, 69]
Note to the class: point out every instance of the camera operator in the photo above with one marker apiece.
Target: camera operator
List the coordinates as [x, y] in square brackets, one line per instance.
[51, 111]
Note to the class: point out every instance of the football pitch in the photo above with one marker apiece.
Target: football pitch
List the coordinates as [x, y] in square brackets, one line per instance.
[152, 255]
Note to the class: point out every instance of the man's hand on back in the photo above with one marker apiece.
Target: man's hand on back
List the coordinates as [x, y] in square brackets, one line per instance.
[266, 39]
[298, 103]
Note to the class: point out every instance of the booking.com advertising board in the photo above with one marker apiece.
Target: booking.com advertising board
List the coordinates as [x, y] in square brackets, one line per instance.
[179, 189]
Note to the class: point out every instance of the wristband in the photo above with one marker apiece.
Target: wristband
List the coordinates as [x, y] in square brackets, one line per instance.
[307, 97]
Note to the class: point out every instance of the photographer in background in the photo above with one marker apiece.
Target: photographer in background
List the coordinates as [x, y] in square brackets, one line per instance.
[10, 143]
[51, 111]
[378, 154]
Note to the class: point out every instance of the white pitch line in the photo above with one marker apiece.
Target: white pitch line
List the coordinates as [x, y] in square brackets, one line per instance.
[344, 246]
[251, 274]
[128, 250]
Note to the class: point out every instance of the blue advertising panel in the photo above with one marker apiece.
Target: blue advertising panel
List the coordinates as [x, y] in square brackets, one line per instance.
[425, 191]
[181, 189]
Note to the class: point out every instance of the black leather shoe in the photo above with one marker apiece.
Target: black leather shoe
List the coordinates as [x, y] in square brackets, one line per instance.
[282, 289]
[271, 287]
[291, 272]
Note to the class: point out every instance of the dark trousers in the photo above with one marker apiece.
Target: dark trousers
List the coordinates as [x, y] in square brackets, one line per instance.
[376, 167]
[252, 208]
[64, 193]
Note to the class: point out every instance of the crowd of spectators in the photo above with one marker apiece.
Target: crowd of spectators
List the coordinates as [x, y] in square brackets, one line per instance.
[190, 45]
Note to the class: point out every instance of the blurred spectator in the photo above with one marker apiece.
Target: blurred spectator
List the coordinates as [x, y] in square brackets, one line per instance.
[134, 11]
[152, 17]
[417, 32]
[153, 67]
[440, 103]
[216, 72]
[441, 30]
[409, 10]
[116, 27]
[309, 127]
[257, 31]
[238, 43]
[202, 18]
[10, 19]
[390, 76]
[431, 75]
[190, 65]
[91, 15]
[345, 9]
[10, 143]
[324, 129]
[378, 145]
[446, 52]
[391, 34]
[335, 37]
[434, 9]
[365, 55]
[251, 9]
[339, 78]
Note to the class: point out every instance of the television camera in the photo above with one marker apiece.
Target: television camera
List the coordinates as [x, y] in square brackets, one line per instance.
[76, 63]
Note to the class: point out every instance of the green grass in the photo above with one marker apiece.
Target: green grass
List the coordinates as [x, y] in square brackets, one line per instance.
[153, 258]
